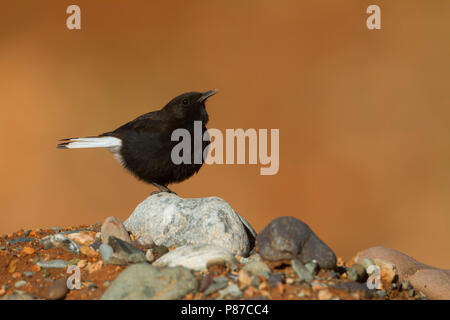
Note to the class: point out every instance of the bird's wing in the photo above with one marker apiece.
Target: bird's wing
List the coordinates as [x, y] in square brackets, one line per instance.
[147, 123]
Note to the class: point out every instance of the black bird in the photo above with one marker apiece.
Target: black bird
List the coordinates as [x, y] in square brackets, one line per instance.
[144, 146]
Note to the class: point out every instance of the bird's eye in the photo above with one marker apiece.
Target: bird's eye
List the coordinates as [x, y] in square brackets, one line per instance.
[185, 101]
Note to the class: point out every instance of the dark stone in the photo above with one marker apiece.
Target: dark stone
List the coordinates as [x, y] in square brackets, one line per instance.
[96, 245]
[275, 279]
[357, 273]
[159, 251]
[287, 238]
[125, 251]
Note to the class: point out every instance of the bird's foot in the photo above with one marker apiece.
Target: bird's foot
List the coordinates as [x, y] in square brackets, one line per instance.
[161, 189]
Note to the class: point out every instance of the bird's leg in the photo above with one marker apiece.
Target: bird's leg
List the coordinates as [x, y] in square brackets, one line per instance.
[161, 189]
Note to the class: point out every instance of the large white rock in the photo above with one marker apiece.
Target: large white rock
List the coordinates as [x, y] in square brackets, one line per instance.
[169, 220]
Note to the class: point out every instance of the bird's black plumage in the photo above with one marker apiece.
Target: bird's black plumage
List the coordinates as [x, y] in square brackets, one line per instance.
[145, 146]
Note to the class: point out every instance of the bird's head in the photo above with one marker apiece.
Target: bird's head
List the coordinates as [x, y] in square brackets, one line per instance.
[190, 106]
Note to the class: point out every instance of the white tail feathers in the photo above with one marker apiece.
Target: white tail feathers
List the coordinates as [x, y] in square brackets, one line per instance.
[111, 143]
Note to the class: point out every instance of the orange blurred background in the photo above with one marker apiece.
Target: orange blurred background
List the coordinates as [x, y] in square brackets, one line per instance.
[364, 116]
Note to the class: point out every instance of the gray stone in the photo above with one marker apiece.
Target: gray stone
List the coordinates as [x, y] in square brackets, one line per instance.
[289, 238]
[61, 241]
[114, 227]
[300, 269]
[137, 257]
[143, 282]
[106, 252]
[124, 252]
[214, 287]
[312, 267]
[257, 268]
[28, 274]
[232, 291]
[169, 220]
[332, 275]
[52, 264]
[150, 256]
[195, 257]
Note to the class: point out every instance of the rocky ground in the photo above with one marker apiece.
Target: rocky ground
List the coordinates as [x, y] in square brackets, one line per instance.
[173, 248]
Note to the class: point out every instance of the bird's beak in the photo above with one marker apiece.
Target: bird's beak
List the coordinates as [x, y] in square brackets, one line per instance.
[207, 94]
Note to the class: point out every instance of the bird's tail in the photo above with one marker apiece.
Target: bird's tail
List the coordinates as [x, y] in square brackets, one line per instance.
[90, 142]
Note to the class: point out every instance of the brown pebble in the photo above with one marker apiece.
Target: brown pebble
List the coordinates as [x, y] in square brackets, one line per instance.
[58, 290]
[28, 250]
[114, 227]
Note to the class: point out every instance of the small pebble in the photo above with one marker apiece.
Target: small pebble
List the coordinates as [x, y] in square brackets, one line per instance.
[57, 290]
[73, 261]
[312, 267]
[137, 257]
[106, 251]
[149, 255]
[255, 281]
[60, 240]
[275, 279]
[52, 264]
[301, 271]
[332, 275]
[214, 288]
[28, 250]
[20, 240]
[232, 291]
[381, 293]
[405, 285]
[366, 262]
[257, 268]
[357, 273]
[245, 278]
[20, 283]
[253, 257]
[114, 227]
